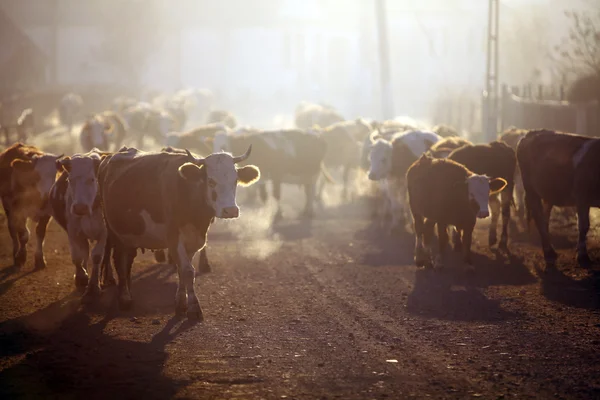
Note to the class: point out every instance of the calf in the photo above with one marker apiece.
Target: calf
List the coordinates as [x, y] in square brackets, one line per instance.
[496, 160]
[283, 156]
[167, 200]
[444, 192]
[75, 205]
[26, 176]
[390, 161]
[560, 169]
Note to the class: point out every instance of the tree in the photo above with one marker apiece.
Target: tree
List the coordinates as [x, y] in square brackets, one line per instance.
[577, 56]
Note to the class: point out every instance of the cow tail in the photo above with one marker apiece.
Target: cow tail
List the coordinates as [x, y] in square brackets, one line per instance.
[326, 174]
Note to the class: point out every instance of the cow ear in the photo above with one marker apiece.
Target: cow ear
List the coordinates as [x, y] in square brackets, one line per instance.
[22, 165]
[191, 172]
[248, 174]
[497, 185]
[63, 164]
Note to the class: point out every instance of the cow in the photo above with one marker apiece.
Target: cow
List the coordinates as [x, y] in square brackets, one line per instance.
[167, 200]
[144, 119]
[344, 147]
[389, 161]
[69, 109]
[495, 160]
[283, 156]
[199, 139]
[26, 176]
[75, 205]
[222, 116]
[443, 192]
[102, 130]
[445, 146]
[308, 115]
[559, 169]
[445, 131]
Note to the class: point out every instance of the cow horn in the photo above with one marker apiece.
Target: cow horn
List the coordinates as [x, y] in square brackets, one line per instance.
[244, 156]
[197, 161]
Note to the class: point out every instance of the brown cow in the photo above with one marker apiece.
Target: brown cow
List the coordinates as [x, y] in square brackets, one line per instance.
[26, 176]
[444, 147]
[495, 160]
[560, 169]
[444, 192]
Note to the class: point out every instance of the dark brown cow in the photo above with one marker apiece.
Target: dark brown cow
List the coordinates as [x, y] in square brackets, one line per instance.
[444, 192]
[283, 156]
[495, 160]
[26, 176]
[167, 200]
[444, 147]
[560, 169]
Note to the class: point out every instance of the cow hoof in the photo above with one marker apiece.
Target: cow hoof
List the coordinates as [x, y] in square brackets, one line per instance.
[159, 256]
[91, 293]
[125, 304]
[81, 281]
[203, 268]
[40, 263]
[195, 315]
[503, 246]
[584, 261]
[20, 259]
[550, 256]
[492, 240]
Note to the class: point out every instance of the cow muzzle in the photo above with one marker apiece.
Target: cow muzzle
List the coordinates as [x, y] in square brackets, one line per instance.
[483, 214]
[80, 209]
[230, 212]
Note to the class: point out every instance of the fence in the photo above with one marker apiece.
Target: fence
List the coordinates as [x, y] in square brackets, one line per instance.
[539, 109]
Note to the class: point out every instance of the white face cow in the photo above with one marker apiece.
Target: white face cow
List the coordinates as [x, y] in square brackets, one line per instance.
[380, 160]
[37, 174]
[480, 189]
[96, 129]
[83, 183]
[221, 176]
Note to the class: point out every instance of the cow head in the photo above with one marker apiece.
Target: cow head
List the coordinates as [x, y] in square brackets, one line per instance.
[220, 176]
[82, 171]
[480, 188]
[380, 160]
[96, 129]
[38, 173]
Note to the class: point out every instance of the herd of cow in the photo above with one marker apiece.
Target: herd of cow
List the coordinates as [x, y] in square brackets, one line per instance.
[121, 198]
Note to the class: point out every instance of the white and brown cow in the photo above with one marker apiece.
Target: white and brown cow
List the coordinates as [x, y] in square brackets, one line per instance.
[167, 200]
[389, 161]
[75, 204]
[26, 176]
[444, 192]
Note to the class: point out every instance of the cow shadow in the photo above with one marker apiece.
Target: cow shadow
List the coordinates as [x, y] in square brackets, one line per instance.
[61, 352]
[10, 275]
[559, 287]
[449, 296]
[385, 248]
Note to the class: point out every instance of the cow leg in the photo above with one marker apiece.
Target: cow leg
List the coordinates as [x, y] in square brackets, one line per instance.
[309, 191]
[428, 234]
[442, 244]
[107, 274]
[456, 240]
[277, 196]
[22, 234]
[13, 232]
[541, 215]
[506, 197]
[520, 199]
[40, 235]
[421, 257]
[80, 251]
[467, 239]
[123, 259]
[185, 288]
[583, 222]
[93, 287]
[203, 264]
[396, 191]
[493, 231]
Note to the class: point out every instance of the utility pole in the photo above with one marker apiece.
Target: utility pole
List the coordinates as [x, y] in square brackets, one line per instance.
[387, 101]
[490, 103]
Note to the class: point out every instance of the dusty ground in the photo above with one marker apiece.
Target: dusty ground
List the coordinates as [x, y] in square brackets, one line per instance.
[308, 310]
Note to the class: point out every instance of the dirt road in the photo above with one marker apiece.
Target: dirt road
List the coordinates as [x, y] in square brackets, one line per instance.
[332, 308]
